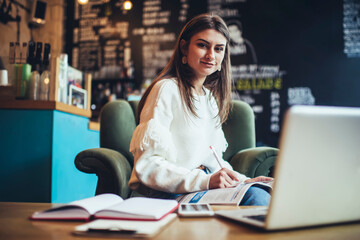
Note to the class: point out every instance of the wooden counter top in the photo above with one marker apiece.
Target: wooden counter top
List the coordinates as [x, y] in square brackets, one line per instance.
[44, 105]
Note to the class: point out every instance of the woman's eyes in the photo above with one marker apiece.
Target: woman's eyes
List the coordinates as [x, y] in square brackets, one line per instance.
[217, 49]
[202, 45]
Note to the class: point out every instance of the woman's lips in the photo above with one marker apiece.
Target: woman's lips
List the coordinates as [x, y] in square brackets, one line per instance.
[208, 64]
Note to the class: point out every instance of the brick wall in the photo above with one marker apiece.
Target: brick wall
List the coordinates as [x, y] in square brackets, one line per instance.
[51, 32]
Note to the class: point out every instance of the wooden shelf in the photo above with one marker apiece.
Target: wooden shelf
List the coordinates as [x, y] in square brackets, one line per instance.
[44, 105]
[8, 101]
[94, 126]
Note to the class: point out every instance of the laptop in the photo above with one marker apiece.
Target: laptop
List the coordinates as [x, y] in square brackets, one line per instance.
[317, 171]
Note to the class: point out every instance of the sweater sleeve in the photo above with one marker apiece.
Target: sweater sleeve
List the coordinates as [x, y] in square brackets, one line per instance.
[153, 149]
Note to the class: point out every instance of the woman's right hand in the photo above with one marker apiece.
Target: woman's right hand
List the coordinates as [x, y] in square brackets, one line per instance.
[224, 178]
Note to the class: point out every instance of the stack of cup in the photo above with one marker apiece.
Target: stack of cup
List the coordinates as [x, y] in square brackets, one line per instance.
[3, 77]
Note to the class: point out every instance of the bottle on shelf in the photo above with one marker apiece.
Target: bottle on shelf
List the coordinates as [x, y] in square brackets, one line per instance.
[21, 71]
[45, 75]
[63, 80]
[34, 90]
[34, 85]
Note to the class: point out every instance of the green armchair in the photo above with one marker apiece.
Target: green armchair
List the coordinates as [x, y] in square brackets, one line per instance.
[113, 162]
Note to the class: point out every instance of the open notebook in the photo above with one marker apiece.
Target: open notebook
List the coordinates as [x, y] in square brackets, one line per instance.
[110, 206]
[317, 171]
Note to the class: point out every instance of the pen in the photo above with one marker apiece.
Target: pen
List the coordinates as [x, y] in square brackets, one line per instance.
[216, 156]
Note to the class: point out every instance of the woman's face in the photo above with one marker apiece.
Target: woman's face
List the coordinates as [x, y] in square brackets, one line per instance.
[205, 52]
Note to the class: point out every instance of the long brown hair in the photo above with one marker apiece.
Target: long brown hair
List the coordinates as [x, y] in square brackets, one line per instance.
[219, 82]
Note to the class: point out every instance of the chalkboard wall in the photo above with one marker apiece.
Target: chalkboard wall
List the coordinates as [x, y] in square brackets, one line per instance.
[290, 52]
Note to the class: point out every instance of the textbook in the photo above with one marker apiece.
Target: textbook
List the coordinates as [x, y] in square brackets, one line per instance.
[223, 196]
[110, 206]
[123, 228]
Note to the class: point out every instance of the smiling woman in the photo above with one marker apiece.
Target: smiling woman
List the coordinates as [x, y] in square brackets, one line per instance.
[218, 82]
[180, 116]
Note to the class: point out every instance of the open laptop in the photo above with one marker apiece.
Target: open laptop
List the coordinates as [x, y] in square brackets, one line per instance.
[317, 173]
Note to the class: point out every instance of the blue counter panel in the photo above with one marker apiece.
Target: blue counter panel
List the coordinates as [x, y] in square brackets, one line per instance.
[38, 148]
[68, 183]
[25, 147]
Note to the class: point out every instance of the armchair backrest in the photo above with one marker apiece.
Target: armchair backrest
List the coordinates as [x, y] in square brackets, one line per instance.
[117, 123]
[239, 129]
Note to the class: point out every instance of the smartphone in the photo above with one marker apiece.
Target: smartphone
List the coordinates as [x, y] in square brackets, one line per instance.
[195, 210]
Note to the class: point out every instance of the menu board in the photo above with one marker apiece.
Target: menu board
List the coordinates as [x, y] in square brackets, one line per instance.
[157, 32]
[351, 25]
[101, 44]
[283, 53]
[257, 82]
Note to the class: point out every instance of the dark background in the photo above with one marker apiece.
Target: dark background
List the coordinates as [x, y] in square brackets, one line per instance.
[305, 39]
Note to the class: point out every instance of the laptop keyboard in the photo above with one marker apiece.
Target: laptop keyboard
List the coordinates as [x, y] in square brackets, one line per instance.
[260, 218]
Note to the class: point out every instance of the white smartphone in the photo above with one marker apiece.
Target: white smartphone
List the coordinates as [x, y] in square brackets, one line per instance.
[195, 210]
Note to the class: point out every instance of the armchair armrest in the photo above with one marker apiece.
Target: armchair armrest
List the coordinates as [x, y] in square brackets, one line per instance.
[253, 162]
[111, 167]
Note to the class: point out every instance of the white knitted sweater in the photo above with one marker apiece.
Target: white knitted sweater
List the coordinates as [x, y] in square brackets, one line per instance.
[170, 144]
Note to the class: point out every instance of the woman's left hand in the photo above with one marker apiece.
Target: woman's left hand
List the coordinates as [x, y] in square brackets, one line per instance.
[260, 179]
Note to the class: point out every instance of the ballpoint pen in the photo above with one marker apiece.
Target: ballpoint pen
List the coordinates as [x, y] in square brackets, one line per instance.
[216, 156]
[236, 181]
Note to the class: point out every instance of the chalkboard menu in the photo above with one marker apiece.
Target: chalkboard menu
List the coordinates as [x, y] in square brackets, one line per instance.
[283, 52]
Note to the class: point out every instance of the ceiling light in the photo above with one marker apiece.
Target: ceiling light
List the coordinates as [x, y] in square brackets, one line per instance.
[83, 2]
[127, 5]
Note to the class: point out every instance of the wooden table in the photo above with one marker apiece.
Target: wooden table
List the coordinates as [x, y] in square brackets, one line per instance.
[14, 224]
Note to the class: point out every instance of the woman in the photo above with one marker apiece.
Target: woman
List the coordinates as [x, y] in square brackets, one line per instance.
[180, 116]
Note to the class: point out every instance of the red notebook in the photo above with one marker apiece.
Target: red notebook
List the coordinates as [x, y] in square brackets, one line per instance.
[110, 206]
